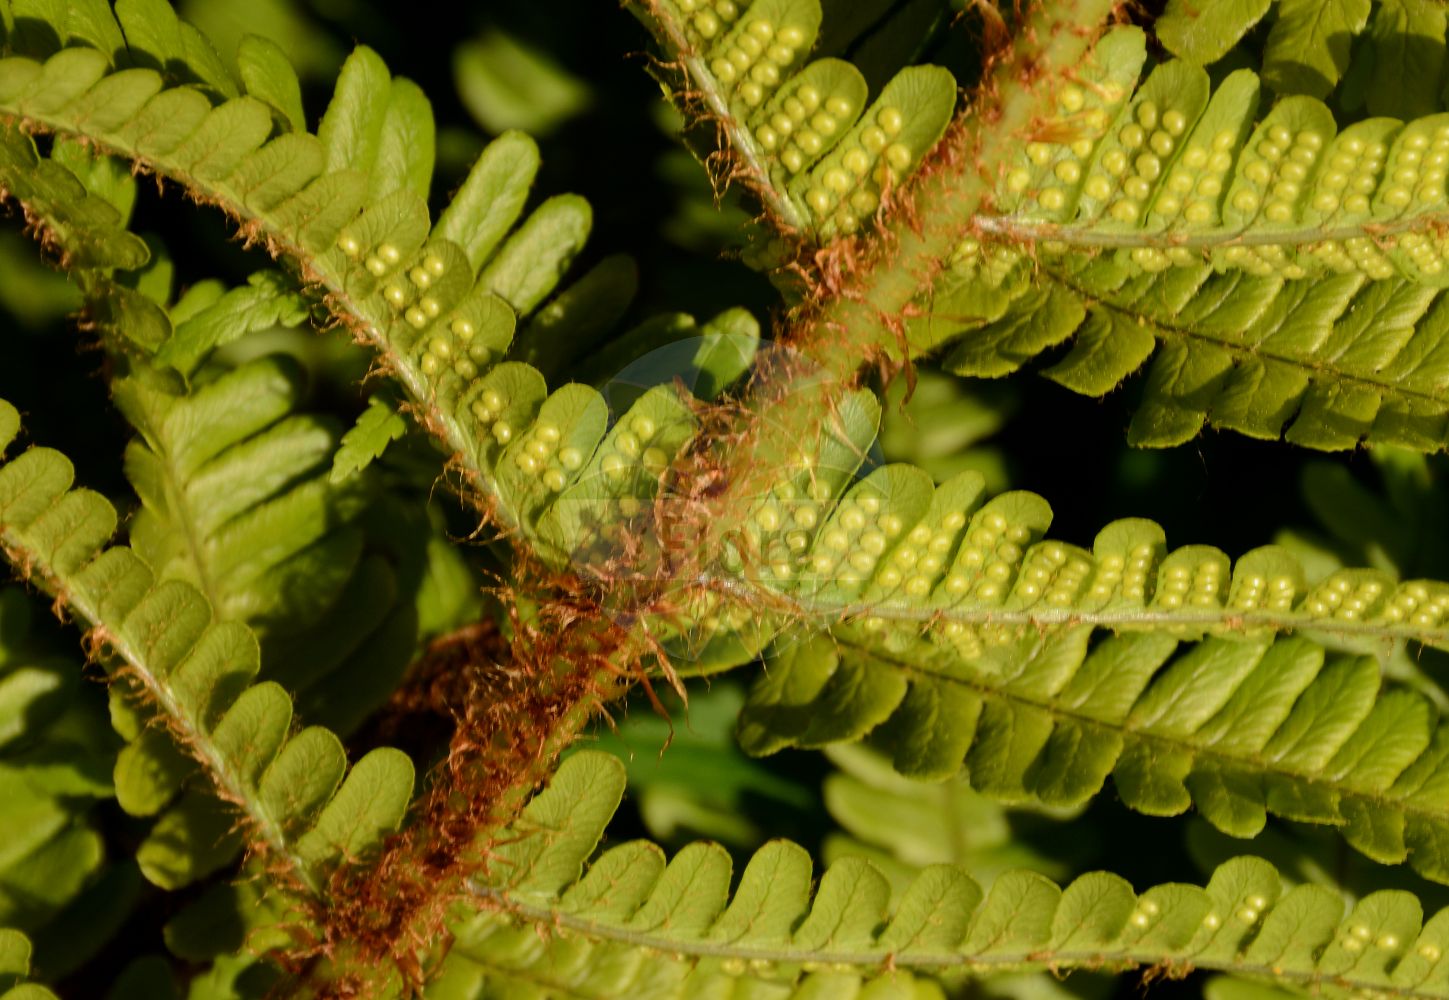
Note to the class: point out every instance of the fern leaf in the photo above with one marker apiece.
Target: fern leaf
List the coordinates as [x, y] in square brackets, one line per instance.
[531, 262]
[351, 129]
[1326, 362]
[15, 967]
[952, 687]
[821, 160]
[953, 631]
[378, 426]
[620, 478]
[268, 299]
[198, 673]
[382, 128]
[1317, 740]
[91, 231]
[1171, 170]
[426, 301]
[405, 145]
[728, 347]
[1204, 30]
[233, 501]
[913, 555]
[234, 496]
[875, 157]
[630, 922]
[269, 77]
[491, 200]
[435, 307]
[1307, 48]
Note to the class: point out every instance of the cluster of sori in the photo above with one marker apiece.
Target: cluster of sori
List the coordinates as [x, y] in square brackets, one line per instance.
[1176, 161]
[829, 155]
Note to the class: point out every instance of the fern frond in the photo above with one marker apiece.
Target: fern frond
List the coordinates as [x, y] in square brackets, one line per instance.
[15, 968]
[1174, 172]
[1256, 354]
[87, 231]
[238, 499]
[443, 313]
[440, 311]
[1331, 335]
[229, 476]
[633, 923]
[376, 427]
[904, 554]
[442, 307]
[208, 317]
[806, 143]
[954, 629]
[1327, 362]
[229, 504]
[1237, 728]
[198, 674]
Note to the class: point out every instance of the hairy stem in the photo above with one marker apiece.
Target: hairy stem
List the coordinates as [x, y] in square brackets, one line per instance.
[861, 318]
[699, 82]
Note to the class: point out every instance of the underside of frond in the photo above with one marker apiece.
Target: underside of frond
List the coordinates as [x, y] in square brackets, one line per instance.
[632, 921]
[198, 675]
